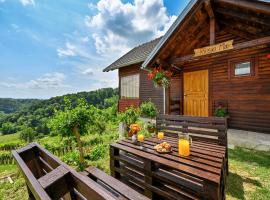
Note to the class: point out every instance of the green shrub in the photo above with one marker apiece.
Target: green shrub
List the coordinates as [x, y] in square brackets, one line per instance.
[148, 109]
[97, 152]
[130, 116]
[8, 128]
[221, 112]
[72, 158]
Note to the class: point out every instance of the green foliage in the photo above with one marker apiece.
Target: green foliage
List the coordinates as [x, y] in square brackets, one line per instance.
[8, 105]
[97, 152]
[64, 121]
[72, 158]
[27, 134]
[130, 116]
[8, 128]
[221, 112]
[35, 113]
[148, 109]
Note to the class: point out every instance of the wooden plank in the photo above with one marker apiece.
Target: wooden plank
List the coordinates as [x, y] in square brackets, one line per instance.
[115, 184]
[256, 6]
[174, 165]
[53, 176]
[244, 45]
[34, 186]
[176, 159]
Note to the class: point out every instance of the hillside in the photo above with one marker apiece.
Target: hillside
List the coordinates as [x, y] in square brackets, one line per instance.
[35, 113]
[8, 105]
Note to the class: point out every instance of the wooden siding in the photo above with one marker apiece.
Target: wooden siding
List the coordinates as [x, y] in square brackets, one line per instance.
[248, 98]
[123, 104]
[148, 92]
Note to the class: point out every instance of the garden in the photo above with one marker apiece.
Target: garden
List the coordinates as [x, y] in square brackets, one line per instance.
[80, 136]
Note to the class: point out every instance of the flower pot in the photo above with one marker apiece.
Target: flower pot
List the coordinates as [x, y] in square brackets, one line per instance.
[151, 130]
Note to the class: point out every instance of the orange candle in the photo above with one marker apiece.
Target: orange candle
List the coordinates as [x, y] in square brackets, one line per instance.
[183, 147]
[160, 135]
[140, 138]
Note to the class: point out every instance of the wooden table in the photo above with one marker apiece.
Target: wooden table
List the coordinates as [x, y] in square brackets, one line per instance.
[202, 175]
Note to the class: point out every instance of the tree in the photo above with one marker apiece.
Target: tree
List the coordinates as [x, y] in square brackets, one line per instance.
[72, 122]
[27, 134]
[8, 128]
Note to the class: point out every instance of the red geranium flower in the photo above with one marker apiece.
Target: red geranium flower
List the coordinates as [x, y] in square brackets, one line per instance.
[268, 56]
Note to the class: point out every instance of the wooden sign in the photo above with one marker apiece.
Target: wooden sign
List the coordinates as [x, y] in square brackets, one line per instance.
[214, 48]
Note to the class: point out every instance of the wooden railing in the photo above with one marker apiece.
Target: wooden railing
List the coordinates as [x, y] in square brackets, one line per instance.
[49, 178]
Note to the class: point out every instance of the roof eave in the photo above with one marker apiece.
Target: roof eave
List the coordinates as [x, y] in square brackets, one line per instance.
[169, 33]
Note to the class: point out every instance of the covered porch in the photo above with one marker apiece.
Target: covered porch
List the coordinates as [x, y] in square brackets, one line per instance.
[218, 59]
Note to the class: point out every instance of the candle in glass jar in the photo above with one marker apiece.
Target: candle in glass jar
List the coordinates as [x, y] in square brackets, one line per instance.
[140, 138]
[160, 135]
[183, 147]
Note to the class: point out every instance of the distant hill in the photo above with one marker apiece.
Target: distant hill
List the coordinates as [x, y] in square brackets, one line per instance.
[35, 113]
[8, 105]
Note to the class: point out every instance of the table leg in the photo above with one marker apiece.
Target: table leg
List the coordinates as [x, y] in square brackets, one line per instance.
[114, 163]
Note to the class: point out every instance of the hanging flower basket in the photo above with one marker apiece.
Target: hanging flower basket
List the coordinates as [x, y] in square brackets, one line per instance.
[160, 77]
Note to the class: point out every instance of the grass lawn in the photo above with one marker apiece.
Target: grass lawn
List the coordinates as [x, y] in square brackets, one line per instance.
[249, 176]
[10, 138]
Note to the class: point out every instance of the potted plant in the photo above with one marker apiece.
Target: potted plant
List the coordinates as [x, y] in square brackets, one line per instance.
[221, 111]
[129, 117]
[151, 127]
[160, 77]
[133, 130]
[148, 109]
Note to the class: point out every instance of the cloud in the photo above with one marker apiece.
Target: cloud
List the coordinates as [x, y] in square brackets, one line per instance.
[88, 72]
[120, 26]
[46, 81]
[27, 2]
[69, 50]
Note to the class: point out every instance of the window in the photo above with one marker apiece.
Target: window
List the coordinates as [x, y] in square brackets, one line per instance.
[130, 87]
[242, 69]
[245, 68]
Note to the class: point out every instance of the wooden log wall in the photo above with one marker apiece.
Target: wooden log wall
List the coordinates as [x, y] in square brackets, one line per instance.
[248, 98]
[148, 92]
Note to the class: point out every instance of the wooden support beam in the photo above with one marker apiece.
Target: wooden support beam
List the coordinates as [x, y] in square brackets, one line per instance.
[239, 46]
[244, 17]
[235, 31]
[256, 6]
[212, 31]
[211, 15]
[209, 9]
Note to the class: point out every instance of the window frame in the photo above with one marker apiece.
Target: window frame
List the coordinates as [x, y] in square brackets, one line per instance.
[253, 67]
[120, 81]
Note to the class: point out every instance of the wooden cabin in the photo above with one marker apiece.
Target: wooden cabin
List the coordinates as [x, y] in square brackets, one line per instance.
[219, 52]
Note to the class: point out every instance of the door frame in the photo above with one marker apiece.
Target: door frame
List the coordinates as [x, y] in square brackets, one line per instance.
[210, 111]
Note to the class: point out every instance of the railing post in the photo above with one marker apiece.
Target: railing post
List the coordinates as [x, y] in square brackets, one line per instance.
[114, 163]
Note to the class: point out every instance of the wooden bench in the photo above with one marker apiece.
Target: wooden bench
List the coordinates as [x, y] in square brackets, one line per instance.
[49, 178]
[204, 129]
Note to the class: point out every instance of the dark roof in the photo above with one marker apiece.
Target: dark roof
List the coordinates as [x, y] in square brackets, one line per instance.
[136, 55]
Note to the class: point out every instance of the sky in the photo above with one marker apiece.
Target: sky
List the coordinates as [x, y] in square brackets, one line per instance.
[54, 47]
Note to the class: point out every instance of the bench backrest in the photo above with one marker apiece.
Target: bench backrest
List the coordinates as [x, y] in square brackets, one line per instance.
[48, 178]
[208, 129]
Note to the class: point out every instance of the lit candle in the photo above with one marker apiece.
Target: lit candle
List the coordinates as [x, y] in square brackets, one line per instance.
[183, 147]
[140, 137]
[160, 135]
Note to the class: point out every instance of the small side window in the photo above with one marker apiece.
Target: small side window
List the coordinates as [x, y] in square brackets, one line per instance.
[242, 69]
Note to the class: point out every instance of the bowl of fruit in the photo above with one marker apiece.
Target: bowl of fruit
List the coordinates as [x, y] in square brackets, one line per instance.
[163, 147]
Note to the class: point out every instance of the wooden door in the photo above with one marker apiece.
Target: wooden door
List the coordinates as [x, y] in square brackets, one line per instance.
[196, 93]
